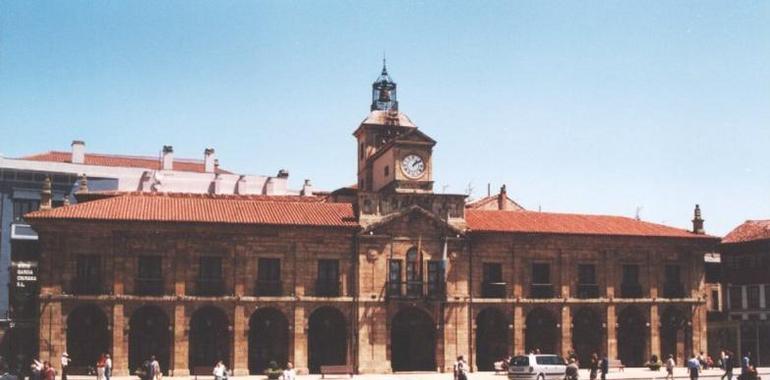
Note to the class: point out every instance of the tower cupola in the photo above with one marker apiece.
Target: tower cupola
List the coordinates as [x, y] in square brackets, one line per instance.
[384, 92]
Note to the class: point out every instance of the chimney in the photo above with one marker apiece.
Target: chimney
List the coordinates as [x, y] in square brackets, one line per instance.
[697, 222]
[83, 184]
[46, 195]
[167, 158]
[208, 160]
[307, 189]
[78, 152]
[283, 173]
[502, 199]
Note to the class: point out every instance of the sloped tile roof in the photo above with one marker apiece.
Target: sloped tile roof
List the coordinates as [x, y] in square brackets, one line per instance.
[543, 222]
[113, 160]
[749, 231]
[203, 208]
[490, 202]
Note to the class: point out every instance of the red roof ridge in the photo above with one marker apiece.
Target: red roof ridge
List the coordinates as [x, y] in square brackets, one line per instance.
[242, 197]
[750, 230]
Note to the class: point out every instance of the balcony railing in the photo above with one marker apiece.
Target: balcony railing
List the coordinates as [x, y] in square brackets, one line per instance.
[588, 291]
[327, 288]
[630, 291]
[149, 286]
[493, 290]
[210, 287]
[673, 290]
[87, 287]
[416, 289]
[541, 291]
[269, 288]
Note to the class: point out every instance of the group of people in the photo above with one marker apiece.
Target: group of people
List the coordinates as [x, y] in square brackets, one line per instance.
[42, 371]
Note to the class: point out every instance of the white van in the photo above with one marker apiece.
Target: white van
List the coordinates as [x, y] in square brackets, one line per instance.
[536, 367]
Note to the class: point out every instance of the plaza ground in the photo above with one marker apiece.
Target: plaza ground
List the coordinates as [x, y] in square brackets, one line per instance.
[627, 374]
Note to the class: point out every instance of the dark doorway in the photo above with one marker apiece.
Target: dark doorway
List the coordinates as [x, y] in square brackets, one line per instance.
[87, 335]
[587, 334]
[268, 340]
[675, 335]
[541, 332]
[209, 338]
[632, 337]
[413, 341]
[327, 338]
[492, 337]
[148, 335]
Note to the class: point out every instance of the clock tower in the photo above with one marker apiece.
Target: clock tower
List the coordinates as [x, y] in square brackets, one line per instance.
[393, 155]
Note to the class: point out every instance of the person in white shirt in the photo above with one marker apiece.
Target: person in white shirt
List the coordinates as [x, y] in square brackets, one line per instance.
[107, 367]
[65, 362]
[289, 373]
[220, 371]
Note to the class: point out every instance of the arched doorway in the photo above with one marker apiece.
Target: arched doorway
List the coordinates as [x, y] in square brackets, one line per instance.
[149, 336]
[209, 337]
[675, 335]
[492, 341]
[87, 335]
[327, 338]
[632, 337]
[268, 340]
[587, 335]
[413, 341]
[542, 332]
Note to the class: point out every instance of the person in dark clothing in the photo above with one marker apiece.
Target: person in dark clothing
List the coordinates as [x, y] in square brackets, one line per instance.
[594, 366]
[605, 367]
[727, 365]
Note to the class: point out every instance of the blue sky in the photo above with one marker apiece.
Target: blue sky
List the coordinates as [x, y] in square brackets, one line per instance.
[590, 107]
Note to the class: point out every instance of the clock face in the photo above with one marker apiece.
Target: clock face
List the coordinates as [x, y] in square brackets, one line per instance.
[413, 166]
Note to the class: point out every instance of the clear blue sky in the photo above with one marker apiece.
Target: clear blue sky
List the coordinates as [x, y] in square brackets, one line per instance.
[591, 107]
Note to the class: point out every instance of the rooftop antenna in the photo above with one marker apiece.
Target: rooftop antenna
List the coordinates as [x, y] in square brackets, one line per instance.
[639, 212]
[489, 189]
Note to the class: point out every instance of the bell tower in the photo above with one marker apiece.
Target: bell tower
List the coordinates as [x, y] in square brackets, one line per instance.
[384, 97]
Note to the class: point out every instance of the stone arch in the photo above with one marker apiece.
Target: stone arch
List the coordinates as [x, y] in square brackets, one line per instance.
[632, 337]
[209, 337]
[413, 341]
[542, 331]
[492, 338]
[149, 335]
[268, 339]
[675, 334]
[587, 334]
[327, 338]
[88, 335]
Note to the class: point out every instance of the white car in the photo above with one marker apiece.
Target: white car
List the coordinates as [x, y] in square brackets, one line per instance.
[536, 367]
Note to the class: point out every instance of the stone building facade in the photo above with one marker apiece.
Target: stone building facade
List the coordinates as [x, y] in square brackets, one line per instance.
[383, 276]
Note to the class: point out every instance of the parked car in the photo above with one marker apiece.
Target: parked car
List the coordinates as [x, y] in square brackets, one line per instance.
[536, 367]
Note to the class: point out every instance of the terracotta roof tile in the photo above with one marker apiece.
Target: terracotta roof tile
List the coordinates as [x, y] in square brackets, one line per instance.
[113, 160]
[749, 231]
[202, 208]
[543, 222]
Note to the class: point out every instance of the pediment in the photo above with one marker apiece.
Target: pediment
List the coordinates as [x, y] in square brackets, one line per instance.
[411, 219]
[415, 135]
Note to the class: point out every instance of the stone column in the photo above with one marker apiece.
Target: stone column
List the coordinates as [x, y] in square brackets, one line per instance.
[181, 343]
[699, 330]
[300, 340]
[612, 340]
[119, 342]
[518, 330]
[655, 331]
[52, 335]
[240, 342]
[566, 330]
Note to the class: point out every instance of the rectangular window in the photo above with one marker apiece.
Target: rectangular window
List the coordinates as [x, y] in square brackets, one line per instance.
[210, 279]
[269, 277]
[435, 278]
[24, 206]
[587, 287]
[394, 278]
[149, 280]
[630, 286]
[752, 296]
[328, 284]
[672, 285]
[715, 300]
[736, 298]
[88, 274]
[541, 281]
[493, 285]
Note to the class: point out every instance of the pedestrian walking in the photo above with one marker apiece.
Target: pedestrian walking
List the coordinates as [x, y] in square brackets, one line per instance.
[594, 366]
[460, 369]
[605, 366]
[289, 373]
[220, 371]
[100, 367]
[693, 366]
[157, 374]
[107, 366]
[745, 363]
[727, 365]
[571, 372]
[65, 362]
[48, 372]
[670, 367]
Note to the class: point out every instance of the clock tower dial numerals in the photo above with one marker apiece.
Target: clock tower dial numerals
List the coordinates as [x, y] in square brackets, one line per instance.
[413, 166]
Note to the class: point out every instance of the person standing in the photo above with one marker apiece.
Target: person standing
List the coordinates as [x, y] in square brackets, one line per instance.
[461, 369]
[289, 373]
[37, 369]
[670, 367]
[693, 366]
[594, 366]
[65, 362]
[727, 365]
[220, 371]
[48, 372]
[571, 372]
[745, 363]
[107, 367]
[605, 366]
[157, 374]
[100, 367]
